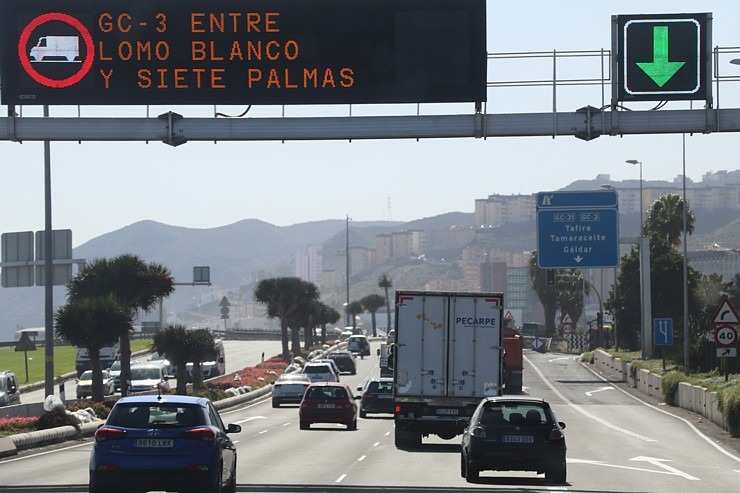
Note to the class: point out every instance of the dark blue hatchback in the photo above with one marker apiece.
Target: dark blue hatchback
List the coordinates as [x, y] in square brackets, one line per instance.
[168, 442]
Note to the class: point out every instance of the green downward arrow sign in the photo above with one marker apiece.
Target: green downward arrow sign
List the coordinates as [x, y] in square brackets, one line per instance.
[660, 70]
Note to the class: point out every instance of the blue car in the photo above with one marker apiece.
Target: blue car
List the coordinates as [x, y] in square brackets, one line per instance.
[167, 442]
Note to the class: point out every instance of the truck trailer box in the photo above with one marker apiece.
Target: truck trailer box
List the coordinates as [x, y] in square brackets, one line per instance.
[448, 355]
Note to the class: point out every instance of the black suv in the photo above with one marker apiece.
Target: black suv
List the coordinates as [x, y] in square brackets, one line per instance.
[377, 396]
[345, 361]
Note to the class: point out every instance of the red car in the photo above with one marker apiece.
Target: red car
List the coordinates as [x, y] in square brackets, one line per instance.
[328, 402]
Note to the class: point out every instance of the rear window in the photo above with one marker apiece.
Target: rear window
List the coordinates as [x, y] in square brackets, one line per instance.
[381, 387]
[317, 369]
[145, 416]
[327, 393]
[517, 414]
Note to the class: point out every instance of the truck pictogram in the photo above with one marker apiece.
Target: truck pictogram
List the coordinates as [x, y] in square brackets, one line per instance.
[56, 49]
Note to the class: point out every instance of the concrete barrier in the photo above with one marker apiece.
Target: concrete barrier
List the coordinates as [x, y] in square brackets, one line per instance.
[690, 397]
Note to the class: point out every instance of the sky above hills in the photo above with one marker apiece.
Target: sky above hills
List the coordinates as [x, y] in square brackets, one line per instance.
[101, 187]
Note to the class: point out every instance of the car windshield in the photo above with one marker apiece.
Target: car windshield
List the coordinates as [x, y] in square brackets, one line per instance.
[515, 413]
[116, 366]
[145, 374]
[145, 416]
[86, 375]
[326, 393]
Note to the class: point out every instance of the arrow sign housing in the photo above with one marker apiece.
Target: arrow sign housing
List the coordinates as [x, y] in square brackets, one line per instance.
[662, 57]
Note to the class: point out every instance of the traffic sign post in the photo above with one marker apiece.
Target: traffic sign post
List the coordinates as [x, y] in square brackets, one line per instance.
[662, 57]
[577, 229]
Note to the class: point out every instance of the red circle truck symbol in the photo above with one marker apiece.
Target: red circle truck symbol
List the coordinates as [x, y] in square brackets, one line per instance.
[25, 58]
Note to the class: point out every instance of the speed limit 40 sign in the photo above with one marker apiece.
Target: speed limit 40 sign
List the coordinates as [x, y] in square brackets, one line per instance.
[725, 336]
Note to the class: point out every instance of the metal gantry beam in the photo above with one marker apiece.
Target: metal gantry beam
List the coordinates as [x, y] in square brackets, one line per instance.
[587, 123]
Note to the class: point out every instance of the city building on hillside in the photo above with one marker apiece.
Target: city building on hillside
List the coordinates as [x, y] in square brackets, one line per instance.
[716, 260]
[498, 210]
[308, 265]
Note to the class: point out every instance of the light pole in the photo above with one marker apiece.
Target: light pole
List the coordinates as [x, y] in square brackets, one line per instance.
[635, 161]
[647, 348]
[347, 269]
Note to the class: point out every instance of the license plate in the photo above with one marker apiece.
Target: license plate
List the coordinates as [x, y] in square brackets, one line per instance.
[325, 406]
[385, 396]
[448, 412]
[155, 443]
[518, 439]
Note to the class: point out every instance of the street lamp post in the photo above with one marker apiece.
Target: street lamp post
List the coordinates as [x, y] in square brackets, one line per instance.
[347, 264]
[646, 334]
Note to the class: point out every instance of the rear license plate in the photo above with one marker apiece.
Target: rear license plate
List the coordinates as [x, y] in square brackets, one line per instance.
[155, 443]
[325, 406]
[385, 396]
[448, 412]
[518, 439]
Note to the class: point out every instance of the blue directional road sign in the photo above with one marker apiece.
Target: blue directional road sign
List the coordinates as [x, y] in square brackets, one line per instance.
[577, 229]
[663, 331]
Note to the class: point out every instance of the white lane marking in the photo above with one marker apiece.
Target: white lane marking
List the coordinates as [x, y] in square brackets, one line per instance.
[615, 466]
[376, 444]
[660, 463]
[251, 418]
[387, 433]
[687, 422]
[286, 424]
[340, 478]
[583, 411]
[362, 458]
[558, 359]
[592, 392]
[262, 432]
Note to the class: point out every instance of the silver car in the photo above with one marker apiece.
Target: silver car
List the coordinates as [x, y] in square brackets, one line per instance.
[289, 389]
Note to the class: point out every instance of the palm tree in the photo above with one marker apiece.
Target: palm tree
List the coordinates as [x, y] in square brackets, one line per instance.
[353, 309]
[546, 294]
[665, 219]
[79, 322]
[136, 284]
[326, 315]
[202, 345]
[386, 283]
[372, 303]
[174, 342]
[282, 297]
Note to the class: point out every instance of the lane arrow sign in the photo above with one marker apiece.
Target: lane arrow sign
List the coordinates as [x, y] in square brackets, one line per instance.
[660, 70]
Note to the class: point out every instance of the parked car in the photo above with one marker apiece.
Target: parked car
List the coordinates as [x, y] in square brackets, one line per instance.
[345, 361]
[514, 434]
[148, 377]
[376, 396]
[289, 388]
[84, 384]
[9, 393]
[359, 344]
[328, 402]
[168, 442]
[320, 372]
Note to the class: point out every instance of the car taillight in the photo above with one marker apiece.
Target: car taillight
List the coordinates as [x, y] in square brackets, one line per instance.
[478, 432]
[206, 434]
[556, 434]
[105, 433]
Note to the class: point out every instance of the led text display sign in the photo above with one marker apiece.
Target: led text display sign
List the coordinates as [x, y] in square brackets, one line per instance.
[242, 51]
[662, 57]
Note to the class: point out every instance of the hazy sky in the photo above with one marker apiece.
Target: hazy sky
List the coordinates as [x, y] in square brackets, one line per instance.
[101, 187]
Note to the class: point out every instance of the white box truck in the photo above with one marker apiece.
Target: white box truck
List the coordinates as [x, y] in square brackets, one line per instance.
[58, 48]
[448, 355]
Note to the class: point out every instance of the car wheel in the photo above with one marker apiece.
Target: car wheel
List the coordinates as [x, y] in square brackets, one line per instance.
[304, 425]
[231, 488]
[275, 403]
[471, 473]
[363, 413]
[556, 474]
[352, 425]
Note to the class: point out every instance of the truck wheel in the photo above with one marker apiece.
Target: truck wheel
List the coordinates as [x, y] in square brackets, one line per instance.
[471, 473]
[556, 474]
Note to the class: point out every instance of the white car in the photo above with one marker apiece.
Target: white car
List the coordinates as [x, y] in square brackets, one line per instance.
[328, 361]
[148, 377]
[84, 384]
[320, 372]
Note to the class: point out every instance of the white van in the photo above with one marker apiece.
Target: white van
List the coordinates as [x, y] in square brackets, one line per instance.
[148, 377]
[213, 366]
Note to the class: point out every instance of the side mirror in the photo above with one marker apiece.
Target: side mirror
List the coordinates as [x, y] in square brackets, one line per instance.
[562, 425]
[232, 428]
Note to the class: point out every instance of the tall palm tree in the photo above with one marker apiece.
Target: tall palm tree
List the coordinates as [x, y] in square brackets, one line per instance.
[546, 294]
[326, 315]
[665, 219]
[136, 284]
[372, 303]
[80, 322]
[386, 283]
[202, 345]
[282, 296]
[353, 309]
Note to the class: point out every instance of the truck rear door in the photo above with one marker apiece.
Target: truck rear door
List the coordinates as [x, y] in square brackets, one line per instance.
[476, 345]
[421, 345]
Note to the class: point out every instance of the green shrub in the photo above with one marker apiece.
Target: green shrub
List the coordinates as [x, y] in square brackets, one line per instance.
[670, 385]
[588, 357]
[729, 404]
[635, 366]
